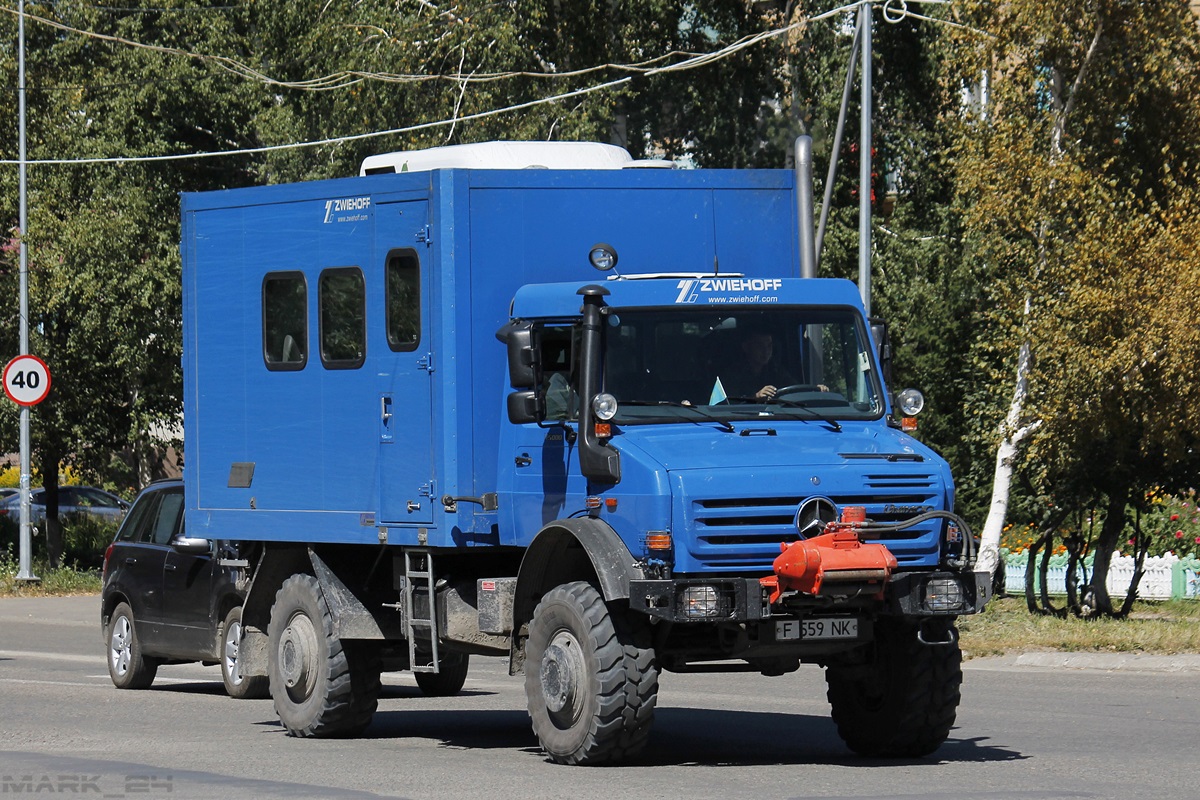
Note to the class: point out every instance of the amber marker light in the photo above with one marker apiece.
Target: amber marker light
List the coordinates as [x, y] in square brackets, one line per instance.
[658, 540]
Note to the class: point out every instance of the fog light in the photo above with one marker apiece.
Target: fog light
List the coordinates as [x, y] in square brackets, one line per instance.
[700, 602]
[943, 594]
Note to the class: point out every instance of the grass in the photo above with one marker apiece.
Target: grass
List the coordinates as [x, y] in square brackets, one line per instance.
[62, 582]
[1006, 626]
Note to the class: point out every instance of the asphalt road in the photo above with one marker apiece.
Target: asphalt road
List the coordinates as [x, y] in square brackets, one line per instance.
[1037, 732]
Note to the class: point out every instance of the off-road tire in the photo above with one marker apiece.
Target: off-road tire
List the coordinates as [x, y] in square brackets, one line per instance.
[237, 685]
[902, 702]
[450, 677]
[591, 678]
[322, 687]
[127, 667]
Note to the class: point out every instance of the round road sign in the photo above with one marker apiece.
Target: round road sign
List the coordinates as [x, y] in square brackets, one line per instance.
[27, 380]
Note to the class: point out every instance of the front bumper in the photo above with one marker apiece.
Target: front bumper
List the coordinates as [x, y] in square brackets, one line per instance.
[916, 594]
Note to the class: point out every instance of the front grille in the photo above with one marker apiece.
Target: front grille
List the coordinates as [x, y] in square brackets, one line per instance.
[746, 532]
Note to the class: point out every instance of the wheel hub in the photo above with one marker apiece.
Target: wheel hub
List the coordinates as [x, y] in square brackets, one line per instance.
[297, 657]
[233, 638]
[120, 646]
[562, 672]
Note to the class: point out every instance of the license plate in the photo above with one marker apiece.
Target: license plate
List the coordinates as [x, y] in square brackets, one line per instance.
[842, 628]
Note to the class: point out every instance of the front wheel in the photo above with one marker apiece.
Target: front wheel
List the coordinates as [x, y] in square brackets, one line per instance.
[127, 667]
[591, 683]
[237, 685]
[321, 686]
[902, 702]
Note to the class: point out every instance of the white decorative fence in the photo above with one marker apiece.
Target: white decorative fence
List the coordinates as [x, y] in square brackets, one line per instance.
[1163, 577]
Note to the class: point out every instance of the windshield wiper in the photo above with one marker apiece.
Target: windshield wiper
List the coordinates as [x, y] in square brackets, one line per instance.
[799, 406]
[675, 404]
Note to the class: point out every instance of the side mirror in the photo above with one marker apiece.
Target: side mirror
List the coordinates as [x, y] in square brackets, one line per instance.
[879, 332]
[525, 407]
[522, 356]
[195, 547]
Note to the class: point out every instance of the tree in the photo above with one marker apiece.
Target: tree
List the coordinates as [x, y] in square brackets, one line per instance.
[1074, 179]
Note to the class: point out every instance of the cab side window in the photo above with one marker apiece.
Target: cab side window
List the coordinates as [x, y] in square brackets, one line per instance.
[285, 320]
[343, 318]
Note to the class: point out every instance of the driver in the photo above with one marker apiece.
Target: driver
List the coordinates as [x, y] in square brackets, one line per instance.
[756, 374]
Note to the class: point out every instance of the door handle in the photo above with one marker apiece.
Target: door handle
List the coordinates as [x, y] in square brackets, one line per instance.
[385, 405]
[413, 505]
[130, 561]
[523, 460]
[169, 567]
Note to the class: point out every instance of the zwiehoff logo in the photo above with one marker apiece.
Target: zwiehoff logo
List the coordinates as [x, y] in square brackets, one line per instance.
[728, 290]
[347, 209]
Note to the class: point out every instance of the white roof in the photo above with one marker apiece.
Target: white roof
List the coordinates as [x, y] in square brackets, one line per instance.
[507, 155]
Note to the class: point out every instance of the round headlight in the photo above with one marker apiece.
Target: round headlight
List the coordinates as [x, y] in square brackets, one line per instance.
[910, 402]
[604, 406]
[603, 257]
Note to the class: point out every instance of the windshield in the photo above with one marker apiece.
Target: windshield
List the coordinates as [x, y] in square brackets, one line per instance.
[786, 362]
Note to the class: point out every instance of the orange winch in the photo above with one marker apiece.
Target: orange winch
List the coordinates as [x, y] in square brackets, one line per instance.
[837, 557]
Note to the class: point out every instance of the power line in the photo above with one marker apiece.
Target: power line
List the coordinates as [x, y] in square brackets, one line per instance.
[899, 8]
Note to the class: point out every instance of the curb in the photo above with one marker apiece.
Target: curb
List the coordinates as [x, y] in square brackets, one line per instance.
[1104, 662]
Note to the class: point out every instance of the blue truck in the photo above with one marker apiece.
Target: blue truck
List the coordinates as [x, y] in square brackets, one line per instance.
[461, 405]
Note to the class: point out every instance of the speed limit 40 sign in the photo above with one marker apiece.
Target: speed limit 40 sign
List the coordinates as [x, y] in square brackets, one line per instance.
[27, 380]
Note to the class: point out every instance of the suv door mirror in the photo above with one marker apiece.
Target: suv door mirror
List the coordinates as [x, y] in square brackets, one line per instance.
[186, 544]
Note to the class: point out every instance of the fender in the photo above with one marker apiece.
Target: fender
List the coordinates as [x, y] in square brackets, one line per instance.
[569, 550]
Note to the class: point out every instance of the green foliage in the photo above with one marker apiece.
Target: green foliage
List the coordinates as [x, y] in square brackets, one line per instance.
[52, 581]
[85, 539]
[1080, 190]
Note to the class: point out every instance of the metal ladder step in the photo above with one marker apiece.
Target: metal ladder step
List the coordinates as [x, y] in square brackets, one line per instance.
[419, 577]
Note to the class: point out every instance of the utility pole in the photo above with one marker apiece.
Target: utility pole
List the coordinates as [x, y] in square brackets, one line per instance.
[864, 154]
[25, 570]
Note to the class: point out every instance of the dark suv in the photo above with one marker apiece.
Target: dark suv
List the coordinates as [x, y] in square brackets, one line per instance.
[169, 599]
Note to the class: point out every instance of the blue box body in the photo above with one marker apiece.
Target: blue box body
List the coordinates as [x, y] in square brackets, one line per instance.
[329, 467]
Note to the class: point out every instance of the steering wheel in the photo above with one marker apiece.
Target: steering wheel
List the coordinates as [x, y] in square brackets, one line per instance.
[798, 387]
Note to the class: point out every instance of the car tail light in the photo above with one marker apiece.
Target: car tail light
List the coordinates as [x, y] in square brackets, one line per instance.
[107, 553]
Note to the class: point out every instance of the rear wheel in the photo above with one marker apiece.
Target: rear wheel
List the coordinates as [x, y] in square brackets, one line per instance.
[237, 685]
[450, 677]
[591, 683]
[902, 702]
[321, 686]
[127, 667]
